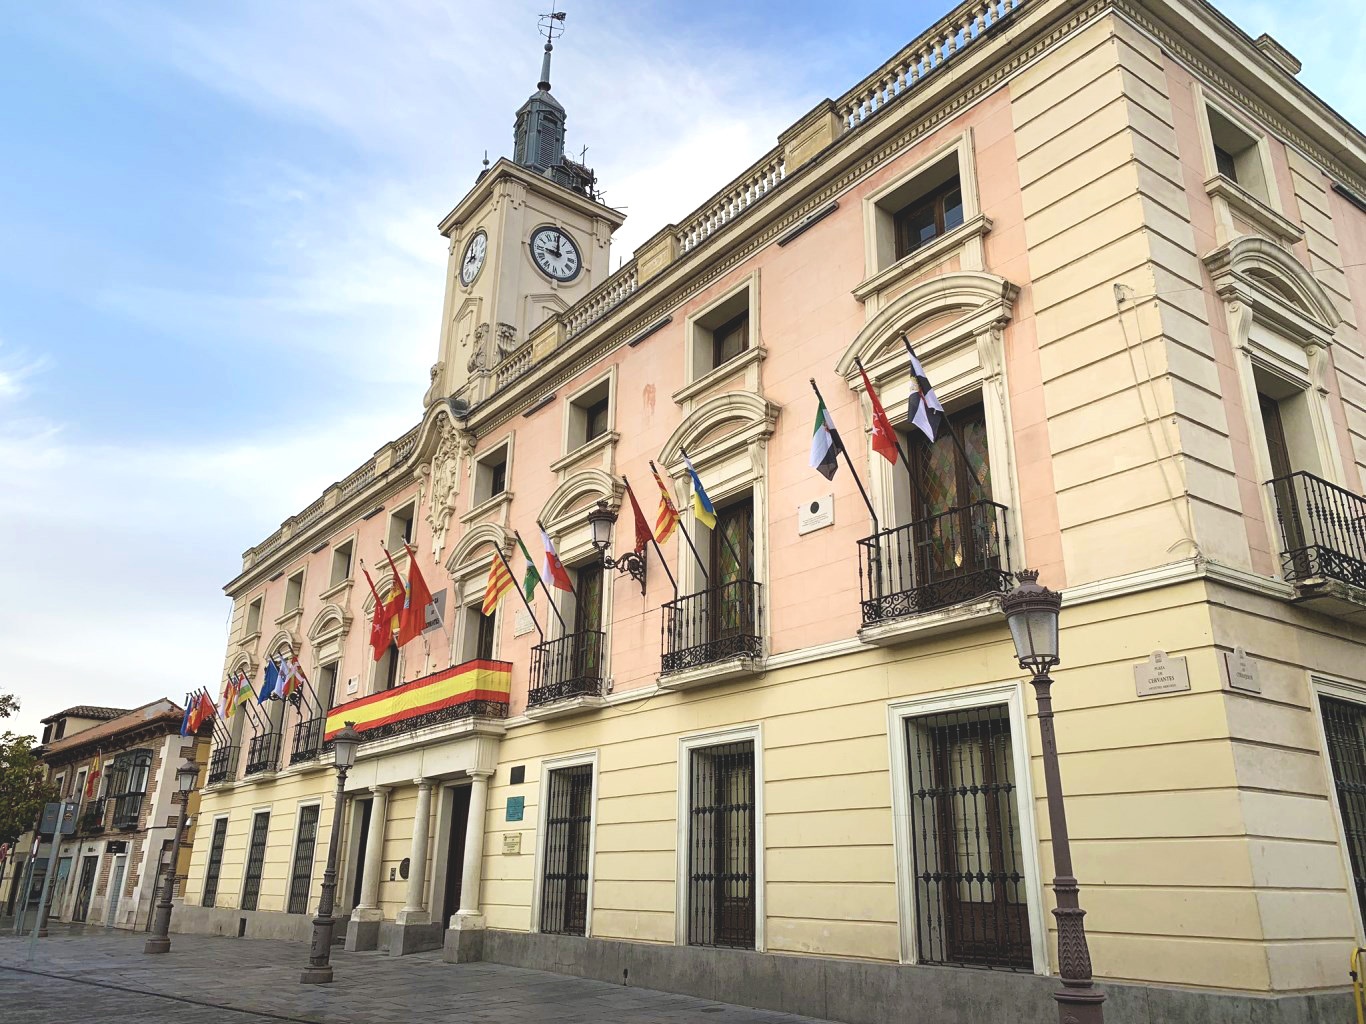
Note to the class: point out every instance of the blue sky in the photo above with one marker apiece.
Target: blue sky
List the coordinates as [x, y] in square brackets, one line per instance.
[221, 278]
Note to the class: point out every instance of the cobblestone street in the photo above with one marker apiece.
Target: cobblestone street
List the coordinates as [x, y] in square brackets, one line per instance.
[104, 976]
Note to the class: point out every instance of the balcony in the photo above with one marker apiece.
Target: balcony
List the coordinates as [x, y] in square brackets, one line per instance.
[92, 821]
[459, 698]
[263, 753]
[1322, 531]
[566, 674]
[308, 740]
[712, 635]
[908, 573]
[222, 764]
[127, 810]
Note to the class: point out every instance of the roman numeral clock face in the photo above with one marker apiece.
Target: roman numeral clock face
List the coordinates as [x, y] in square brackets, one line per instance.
[555, 254]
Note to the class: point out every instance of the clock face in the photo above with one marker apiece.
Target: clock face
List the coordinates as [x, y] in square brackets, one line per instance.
[473, 260]
[555, 253]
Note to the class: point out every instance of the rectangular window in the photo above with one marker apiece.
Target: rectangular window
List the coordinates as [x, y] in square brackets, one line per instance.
[1238, 154]
[301, 876]
[968, 862]
[590, 415]
[730, 339]
[1225, 164]
[401, 528]
[128, 785]
[215, 867]
[569, 826]
[724, 332]
[721, 846]
[1344, 727]
[294, 591]
[327, 686]
[341, 564]
[254, 618]
[491, 475]
[256, 859]
[928, 217]
[479, 633]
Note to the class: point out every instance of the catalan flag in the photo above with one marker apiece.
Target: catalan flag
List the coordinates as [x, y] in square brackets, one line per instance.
[666, 521]
[499, 583]
[701, 504]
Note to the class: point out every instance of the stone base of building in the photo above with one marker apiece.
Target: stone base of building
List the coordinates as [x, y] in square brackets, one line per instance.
[362, 931]
[412, 937]
[464, 940]
[864, 992]
[250, 924]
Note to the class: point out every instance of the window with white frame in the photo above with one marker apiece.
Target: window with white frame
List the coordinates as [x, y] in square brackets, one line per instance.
[566, 853]
[301, 873]
[491, 474]
[722, 881]
[294, 592]
[342, 556]
[722, 333]
[254, 617]
[1237, 154]
[589, 414]
[401, 527]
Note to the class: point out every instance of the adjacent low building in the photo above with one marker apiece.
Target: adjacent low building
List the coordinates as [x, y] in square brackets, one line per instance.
[794, 757]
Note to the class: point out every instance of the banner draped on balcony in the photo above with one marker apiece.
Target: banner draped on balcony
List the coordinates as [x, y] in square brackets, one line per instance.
[472, 681]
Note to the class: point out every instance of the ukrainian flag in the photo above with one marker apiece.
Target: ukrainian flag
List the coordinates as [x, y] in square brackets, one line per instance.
[701, 504]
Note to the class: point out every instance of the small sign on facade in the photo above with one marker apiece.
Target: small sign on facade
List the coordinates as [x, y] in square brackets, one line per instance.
[512, 843]
[516, 808]
[436, 611]
[1240, 671]
[1161, 674]
[522, 623]
[815, 515]
[353, 684]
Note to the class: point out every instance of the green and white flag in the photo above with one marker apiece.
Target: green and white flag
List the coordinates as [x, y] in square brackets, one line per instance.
[533, 575]
[825, 443]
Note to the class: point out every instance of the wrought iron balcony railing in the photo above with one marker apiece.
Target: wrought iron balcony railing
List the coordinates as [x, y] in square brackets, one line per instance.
[474, 689]
[1322, 529]
[92, 821]
[127, 810]
[570, 666]
[716, 624]
[263, 753]
[222, 764]
[308, 739]
[932, 563]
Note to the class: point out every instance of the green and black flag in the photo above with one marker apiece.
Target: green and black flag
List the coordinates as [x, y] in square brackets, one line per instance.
[825, 442]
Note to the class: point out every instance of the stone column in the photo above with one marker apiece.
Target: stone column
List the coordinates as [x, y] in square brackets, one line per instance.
[362, 931]
[414, 910]
[465, 938]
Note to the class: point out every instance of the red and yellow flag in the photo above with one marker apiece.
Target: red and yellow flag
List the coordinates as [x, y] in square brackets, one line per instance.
[666, 521]
[499, 583]
[474, 680]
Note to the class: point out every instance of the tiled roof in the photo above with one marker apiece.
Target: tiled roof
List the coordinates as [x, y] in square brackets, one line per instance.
[159, 712]
[88, 711]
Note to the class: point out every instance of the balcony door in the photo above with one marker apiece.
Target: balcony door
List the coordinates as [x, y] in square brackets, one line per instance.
[586, 651]
[732, 569]
[1288, 507]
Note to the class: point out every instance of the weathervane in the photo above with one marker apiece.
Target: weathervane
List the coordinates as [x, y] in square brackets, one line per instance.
[552, 25]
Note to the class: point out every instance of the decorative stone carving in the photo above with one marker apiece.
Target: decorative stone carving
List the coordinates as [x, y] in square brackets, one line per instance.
[435, 374]
[507, 340]
[453, 445]
[478, 357]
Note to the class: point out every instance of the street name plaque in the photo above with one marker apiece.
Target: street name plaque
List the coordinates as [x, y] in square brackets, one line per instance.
[1161, 674]
[1240, 671]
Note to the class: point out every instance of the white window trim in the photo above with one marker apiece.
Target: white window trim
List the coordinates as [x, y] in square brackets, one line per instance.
[572, 451]
[268, 809]
[477, 505]
[212, 824]
[686, 745]
[336, 588]
[248, 634]
[1011, 695]
[294, 849]
[409, 506]
[693, 382]
[548, 765]
[1355, 692]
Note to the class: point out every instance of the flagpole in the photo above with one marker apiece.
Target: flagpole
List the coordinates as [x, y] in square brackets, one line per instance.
[520, 593]
[686, 536]
[551, 597]
[953, 433]
[653, 543]
[848, 461]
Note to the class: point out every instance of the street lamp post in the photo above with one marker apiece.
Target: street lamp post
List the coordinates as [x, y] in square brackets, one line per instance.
[601, 519]
[160, 940]
[1031, 611]
[319, 969]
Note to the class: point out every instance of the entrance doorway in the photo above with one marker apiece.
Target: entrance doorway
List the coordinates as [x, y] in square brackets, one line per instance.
[455, 853]
[115, 891]
[87, 885]
[357, 875]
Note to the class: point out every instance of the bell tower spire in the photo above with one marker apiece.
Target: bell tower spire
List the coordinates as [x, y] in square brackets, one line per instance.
[538, 133]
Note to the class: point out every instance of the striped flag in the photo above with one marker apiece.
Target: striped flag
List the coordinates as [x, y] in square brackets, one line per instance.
[666, 521]
[825, 443]
[702, 507]
[533, 575]
[499, 583]
[925, 410]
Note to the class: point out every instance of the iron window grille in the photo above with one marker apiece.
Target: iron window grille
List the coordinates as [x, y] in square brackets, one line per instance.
[1322, 528]
[717, 624]
[256, 859]
[215, 866]
[569, 826]
[128, 787]
[222, 764]
[1344, 727]
[971, 907]
[263, 753]
[566, 667]
[721, 846]
[308, 739]
[92, 821]
[301, 877]
[932, 563]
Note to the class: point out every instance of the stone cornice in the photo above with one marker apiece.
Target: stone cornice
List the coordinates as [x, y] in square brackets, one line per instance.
[505, 170]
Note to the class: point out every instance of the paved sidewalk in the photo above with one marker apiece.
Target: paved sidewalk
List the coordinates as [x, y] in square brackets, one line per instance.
[204, 980]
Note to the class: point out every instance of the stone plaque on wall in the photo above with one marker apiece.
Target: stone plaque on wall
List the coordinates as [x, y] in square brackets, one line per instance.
[1161, 674]
[512, 842]
[516, 807]
[815, 514]
[522, 623]
[1240, 671]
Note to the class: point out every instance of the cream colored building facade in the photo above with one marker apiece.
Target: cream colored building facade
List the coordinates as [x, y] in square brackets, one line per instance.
[1129, 249]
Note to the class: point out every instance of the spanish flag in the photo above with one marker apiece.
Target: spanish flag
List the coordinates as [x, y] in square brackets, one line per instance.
[474, 680]
[499, 583]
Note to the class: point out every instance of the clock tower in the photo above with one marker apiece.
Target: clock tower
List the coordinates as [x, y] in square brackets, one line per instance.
[528, 241]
